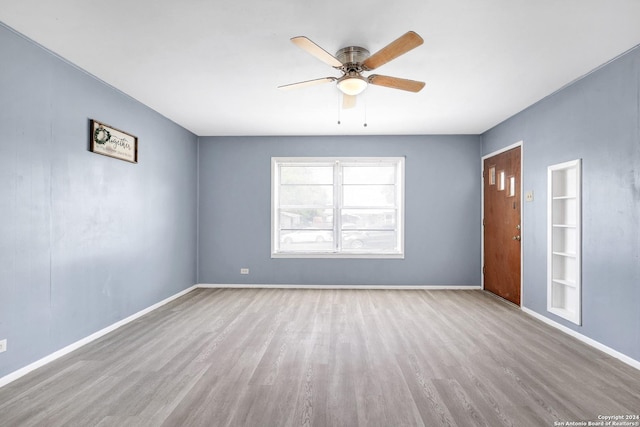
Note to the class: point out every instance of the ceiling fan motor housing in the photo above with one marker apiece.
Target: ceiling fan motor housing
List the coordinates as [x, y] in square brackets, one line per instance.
[352, 58]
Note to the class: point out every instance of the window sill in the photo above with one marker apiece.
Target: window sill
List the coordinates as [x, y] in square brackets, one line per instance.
[320, 255]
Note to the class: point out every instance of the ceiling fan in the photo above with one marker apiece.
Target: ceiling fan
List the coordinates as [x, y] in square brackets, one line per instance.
[352, 61]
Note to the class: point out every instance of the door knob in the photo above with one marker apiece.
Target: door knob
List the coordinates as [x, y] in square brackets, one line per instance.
[516, 238]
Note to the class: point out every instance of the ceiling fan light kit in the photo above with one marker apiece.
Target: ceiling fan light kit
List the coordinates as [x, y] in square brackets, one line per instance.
[352, 85]
[352, 61]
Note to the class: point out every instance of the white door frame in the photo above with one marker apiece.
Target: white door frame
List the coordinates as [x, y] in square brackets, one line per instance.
[502, 150]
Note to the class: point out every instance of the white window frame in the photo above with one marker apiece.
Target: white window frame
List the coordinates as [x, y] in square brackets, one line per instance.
[276, 252]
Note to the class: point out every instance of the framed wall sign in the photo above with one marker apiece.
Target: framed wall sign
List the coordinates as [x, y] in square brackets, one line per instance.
[109, 141]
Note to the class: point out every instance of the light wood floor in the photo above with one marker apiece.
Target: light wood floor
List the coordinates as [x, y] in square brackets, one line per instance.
[270, 357]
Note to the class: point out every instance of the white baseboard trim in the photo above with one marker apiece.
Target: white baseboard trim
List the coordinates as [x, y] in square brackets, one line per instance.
[362, 287]
[76, 345]
[585, 339]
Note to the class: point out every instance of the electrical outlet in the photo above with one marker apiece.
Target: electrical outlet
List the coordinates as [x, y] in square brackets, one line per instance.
[3, 345]
[529, 196]
[244, 271]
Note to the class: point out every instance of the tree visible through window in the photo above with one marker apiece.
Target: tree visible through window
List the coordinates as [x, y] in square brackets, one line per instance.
[342, 207]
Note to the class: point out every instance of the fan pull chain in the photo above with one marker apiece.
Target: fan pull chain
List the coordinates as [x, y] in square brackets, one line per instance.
[364, 101]
[339, 107]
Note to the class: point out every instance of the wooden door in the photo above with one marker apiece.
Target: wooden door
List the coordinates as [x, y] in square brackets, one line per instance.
[502, 226]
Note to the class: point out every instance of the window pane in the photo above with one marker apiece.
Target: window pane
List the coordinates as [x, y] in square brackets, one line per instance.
[306, 240]
[369, 195]
[369, 241]
[368, 219]
[369, 174]
[295, 219]
[306, 195]
[306, 175]
[501, 180]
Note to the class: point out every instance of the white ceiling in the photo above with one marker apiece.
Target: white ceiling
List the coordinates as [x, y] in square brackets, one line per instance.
[213, 66]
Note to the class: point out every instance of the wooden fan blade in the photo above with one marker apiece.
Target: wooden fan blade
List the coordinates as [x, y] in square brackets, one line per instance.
[398, 47]
[348, 101]
[307, 83]
[315, 50]
[396, 83]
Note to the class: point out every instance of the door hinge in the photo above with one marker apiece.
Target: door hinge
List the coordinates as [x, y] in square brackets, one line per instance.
[484, 269]
[483, 222]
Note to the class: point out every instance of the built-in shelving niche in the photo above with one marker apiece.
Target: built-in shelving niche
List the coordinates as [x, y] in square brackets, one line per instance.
[564, 247]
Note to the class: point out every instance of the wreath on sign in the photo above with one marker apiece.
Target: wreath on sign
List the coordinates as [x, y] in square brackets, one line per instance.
[101, 135]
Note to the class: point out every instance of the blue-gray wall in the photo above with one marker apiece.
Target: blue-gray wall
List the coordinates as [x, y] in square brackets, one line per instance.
[442, 211]
[85, 240]
[596, 119]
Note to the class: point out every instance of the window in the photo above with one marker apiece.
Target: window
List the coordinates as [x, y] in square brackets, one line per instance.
[337, 207]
